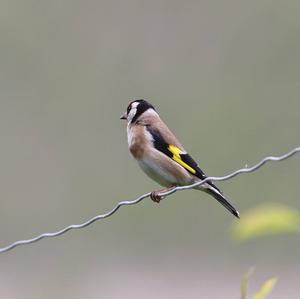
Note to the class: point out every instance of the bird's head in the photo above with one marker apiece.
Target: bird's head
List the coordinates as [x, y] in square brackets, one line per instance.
[136, 110]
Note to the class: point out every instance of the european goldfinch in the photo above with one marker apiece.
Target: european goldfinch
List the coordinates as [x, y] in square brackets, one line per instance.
[161, 156]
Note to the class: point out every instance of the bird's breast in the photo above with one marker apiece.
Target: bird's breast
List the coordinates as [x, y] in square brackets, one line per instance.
[138, 140]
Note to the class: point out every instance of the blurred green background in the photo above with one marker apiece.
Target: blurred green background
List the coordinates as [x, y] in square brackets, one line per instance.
[224, 75]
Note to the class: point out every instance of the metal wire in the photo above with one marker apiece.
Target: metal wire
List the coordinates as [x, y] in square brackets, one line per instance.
[139, 199]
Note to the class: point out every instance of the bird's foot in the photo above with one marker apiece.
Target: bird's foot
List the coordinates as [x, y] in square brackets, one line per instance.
[157, 196]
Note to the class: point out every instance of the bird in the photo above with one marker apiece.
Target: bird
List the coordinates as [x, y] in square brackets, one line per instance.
[161, 156]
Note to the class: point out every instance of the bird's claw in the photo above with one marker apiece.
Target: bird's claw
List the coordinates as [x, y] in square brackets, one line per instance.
[156, 196]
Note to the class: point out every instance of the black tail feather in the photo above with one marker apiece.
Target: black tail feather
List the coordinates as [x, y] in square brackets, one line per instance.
[222, 200]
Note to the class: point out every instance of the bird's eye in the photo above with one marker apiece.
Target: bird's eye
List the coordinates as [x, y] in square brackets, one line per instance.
[128, 109]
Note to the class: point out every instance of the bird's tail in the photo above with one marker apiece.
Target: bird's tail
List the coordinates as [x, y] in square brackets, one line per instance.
[217, 194]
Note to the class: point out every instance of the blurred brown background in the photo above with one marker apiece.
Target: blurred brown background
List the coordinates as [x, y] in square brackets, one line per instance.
[224, 75]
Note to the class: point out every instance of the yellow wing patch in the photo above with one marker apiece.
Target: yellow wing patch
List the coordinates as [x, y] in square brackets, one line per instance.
[176, 157]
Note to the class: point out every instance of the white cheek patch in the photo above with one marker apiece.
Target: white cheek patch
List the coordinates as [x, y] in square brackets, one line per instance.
[134, 105]
[131, 113]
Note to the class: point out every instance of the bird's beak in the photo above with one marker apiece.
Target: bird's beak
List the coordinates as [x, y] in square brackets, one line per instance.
[124, 116]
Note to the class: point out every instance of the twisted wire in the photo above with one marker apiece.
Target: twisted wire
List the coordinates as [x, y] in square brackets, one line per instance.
[142, 197]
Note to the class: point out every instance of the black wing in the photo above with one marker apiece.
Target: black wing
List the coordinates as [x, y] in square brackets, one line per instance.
[176, 154]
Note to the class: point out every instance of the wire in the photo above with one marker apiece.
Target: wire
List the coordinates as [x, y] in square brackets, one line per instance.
[142, 197]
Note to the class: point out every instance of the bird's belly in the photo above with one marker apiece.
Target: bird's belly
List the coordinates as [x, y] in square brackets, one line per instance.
[158, 173]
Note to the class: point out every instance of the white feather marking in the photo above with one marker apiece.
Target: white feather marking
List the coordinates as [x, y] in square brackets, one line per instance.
[156, 172]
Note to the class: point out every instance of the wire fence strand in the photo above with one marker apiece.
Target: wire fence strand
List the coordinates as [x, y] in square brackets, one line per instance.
[142, 197]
